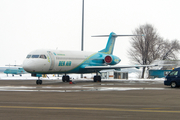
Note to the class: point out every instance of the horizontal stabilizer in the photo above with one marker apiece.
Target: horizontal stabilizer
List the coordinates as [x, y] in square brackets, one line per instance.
[114, 35]
[14, 65]
[111, 40]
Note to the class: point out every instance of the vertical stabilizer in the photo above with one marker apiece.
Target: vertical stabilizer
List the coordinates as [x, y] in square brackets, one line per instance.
[110, 44]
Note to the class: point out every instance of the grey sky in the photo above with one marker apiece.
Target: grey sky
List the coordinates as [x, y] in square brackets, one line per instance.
[26, 25]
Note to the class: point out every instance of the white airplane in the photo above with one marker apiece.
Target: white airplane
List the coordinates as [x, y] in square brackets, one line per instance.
[66, 62]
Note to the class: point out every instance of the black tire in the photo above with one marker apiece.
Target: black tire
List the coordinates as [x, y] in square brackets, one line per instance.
[67, 78]
[38, 82]
[63, 78]
[95, 78]
[173, 85]
[99, 78]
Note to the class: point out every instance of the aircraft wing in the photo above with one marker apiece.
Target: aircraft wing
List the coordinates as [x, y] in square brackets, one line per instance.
[117, 67]
[123, 66]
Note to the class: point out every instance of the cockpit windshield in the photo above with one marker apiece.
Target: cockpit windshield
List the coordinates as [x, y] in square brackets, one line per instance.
[28, 56]
[43, 56]
[37, 56]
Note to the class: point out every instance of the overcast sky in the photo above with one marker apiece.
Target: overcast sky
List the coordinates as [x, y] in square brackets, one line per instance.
[26, 25]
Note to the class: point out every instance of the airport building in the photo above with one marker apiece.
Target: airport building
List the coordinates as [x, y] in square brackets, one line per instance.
[160, 72]
[113, 74]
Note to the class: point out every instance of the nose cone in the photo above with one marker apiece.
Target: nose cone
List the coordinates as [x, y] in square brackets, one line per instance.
[28, 66]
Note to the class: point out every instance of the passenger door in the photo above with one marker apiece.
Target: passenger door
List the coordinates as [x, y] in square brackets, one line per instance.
[52, 60]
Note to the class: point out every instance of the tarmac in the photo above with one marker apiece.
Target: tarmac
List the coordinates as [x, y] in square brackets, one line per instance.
[87, 100]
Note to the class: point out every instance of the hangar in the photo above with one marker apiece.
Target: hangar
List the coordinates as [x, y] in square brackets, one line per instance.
[114, 74]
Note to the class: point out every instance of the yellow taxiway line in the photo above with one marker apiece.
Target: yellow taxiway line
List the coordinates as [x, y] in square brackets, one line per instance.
[97, 109]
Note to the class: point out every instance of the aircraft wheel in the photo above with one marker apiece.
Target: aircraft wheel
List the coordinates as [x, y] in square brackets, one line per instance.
[97, 78]
[38, 82]
[65, 78]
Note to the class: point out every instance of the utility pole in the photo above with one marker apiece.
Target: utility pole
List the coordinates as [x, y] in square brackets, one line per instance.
[82, 37]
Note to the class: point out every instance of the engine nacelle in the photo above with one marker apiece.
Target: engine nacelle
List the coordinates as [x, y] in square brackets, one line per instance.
[111, 60]
[108, 59]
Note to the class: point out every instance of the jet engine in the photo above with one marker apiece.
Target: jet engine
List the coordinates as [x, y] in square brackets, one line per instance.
[108, 59]
[111, 60]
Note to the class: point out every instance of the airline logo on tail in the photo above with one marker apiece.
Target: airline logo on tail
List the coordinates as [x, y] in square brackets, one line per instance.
[110, 44]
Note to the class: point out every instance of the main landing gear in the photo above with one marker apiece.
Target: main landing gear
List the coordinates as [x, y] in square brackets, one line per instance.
[38, 82]
[65, 78]
[97, 78]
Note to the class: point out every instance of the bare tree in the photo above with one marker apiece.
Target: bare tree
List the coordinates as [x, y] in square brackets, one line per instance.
[143, 46]
[170, 49]
[145, 49]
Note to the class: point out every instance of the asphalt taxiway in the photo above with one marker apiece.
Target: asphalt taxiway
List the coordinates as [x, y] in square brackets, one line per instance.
[110, 99]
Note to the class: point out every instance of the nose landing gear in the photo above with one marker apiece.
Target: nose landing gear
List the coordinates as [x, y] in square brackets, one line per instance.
[38, 82]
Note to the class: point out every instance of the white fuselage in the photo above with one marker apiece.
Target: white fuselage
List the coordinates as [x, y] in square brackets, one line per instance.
[54, 61]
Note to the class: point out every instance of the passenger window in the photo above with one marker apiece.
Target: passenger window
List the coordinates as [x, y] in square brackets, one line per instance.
[173, 73]
[35, 56]
[43, 56]
[28, 56]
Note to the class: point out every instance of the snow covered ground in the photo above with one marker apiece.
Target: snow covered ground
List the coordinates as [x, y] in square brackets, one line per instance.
[25, 77]
[132, 77]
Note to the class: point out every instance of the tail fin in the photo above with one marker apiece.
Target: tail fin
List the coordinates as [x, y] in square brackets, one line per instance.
[110, 44]
[111, 40]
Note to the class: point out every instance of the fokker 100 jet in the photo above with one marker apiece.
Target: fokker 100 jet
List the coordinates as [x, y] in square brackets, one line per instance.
[66, 62]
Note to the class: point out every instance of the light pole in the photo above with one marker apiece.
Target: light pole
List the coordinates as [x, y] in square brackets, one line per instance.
[82, 37]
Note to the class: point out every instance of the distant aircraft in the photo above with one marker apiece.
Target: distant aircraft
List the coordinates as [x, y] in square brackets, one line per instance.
[65, 62]
[18, 71]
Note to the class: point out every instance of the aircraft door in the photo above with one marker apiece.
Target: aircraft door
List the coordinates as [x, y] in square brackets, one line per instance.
[52, 60]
